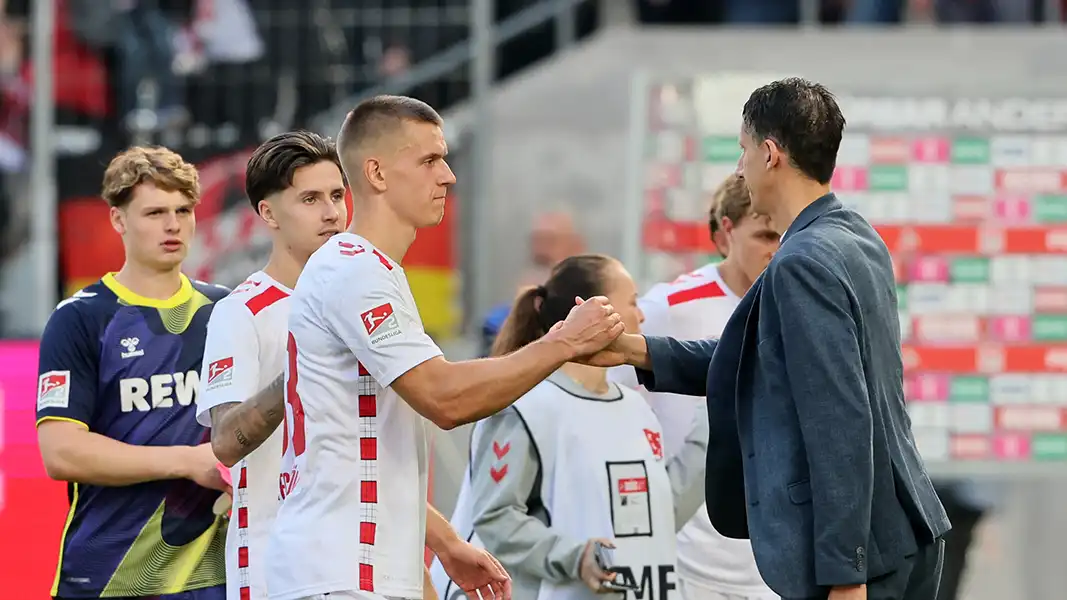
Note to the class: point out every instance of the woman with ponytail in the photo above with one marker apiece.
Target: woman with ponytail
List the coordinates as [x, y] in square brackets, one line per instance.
[575, 464]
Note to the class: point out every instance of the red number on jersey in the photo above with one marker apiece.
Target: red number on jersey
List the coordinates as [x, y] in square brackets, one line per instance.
[349, 249]
[293, 398]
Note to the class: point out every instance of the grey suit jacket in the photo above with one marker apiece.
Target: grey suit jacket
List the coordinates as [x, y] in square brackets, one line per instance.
[811, 454]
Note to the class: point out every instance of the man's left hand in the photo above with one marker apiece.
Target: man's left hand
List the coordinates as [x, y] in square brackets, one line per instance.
[475, 570]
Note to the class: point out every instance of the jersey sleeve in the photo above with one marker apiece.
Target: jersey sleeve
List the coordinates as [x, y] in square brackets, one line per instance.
[368, 311]
[68, 367]
[230, 371]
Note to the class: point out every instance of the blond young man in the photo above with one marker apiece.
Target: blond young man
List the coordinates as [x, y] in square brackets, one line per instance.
[118, 377]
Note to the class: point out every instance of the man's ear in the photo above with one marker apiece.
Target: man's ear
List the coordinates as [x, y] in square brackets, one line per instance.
[726, 225]
[773, 153]
[372, 172]
[266, 212]
[117, 216]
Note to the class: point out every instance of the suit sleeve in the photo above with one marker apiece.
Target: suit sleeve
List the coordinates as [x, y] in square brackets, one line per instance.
[678, 367]
[501, 488]
[230, 370]
[68, 367]
[820, 342]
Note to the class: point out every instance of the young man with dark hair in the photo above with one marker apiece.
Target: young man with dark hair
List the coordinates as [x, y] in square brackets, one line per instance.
[295, 185]
[119, 366]
[810, 452]
[698, 305]
[364, 378]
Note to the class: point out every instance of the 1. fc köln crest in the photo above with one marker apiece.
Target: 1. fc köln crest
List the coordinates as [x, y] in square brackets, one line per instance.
[655, 441]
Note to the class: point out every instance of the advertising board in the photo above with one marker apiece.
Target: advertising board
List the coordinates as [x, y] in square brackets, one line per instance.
[31, 505]
[970, 196]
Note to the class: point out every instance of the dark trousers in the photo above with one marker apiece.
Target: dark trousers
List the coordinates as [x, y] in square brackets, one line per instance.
[916, 579]
[965, 519]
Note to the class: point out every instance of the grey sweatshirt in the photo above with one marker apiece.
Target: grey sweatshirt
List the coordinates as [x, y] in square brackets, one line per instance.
[510, 518]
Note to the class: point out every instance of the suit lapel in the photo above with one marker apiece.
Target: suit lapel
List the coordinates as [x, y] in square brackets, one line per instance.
[750, 337]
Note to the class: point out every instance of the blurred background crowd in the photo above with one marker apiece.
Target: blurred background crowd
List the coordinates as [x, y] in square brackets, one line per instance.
[212, 78]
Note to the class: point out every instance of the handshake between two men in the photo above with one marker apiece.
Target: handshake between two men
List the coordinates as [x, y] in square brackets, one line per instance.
[597, 336]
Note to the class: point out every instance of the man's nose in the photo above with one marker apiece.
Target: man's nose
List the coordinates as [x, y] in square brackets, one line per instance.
[737, 170]
[331, 213]
[450, 177]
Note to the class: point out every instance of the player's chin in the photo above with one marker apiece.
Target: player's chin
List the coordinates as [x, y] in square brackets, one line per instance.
[171, 258]
[435, 218]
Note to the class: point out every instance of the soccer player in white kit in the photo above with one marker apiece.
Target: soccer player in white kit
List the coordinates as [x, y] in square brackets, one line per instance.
[363, 378]
[698, 305]
[295, 185]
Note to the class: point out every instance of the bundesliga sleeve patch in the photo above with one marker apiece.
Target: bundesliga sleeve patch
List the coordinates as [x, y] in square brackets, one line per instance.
[381, 323]
[53, 390]
[220, 372]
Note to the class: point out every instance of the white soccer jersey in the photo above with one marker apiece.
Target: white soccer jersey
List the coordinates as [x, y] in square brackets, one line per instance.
[244, 353]
[696, 306]
[354, 465]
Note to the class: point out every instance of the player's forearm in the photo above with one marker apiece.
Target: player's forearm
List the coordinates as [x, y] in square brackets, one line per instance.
[237, 429]
[93, 459]
[472, 390]
[439, 532]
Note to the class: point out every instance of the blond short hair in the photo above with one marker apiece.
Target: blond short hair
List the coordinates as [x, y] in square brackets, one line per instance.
[730, 199]
[161, 167]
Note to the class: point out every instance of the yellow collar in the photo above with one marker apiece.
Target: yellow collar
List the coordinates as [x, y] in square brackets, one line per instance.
[184, 293]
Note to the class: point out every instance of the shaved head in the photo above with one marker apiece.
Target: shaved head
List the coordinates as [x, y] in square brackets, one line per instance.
[376, 119]
[393, 151]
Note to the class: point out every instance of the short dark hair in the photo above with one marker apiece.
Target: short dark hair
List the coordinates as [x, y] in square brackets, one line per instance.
[381, 114]
[803, 119]
[162, 167]
[271, 168]
[538, 308]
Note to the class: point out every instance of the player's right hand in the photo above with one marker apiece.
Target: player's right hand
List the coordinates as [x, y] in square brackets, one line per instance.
[589, 572]
[202, 468]
[591, 325]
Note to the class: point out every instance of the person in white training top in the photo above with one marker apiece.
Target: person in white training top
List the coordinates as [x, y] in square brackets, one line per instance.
[698, 305]
[295, 185]
[363, 377]
[576, 460]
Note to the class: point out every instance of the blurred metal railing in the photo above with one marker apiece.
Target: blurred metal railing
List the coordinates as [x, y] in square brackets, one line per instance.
[478, 52]
[281, 87]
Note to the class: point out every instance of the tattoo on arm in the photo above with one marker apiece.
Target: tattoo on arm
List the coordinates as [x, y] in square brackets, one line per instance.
[239, 428]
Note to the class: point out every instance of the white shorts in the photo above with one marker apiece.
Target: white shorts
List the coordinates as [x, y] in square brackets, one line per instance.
[689, 591]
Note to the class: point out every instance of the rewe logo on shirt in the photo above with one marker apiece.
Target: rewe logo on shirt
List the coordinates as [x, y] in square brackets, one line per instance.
[158, 391]
[380, 323]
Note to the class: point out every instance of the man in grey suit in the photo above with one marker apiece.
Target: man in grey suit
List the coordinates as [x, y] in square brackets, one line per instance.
[811, 454]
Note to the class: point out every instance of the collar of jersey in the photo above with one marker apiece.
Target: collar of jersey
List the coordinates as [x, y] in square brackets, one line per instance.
[185, 292]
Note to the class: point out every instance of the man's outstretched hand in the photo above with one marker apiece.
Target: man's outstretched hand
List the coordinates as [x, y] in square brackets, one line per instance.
[623, 349]
[476, 572]
[591, 325]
